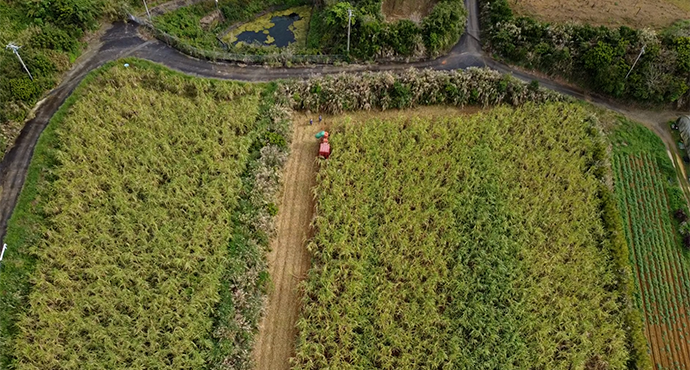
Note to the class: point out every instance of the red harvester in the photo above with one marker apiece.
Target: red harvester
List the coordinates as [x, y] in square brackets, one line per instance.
[324, 147]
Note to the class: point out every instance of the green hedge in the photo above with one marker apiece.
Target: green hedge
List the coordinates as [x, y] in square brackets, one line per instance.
[598, 58]
[412, 88]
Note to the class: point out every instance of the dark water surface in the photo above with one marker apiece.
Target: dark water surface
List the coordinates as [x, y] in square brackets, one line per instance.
[280, 32]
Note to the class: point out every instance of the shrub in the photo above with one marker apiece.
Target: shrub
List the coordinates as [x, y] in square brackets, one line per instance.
[444, 26]
[680, 215]
[598, 58]
[51, 37]
[273, 138]
[401, 36]
[682, 45]
[74, 15]
[39, 64]
[24, 89]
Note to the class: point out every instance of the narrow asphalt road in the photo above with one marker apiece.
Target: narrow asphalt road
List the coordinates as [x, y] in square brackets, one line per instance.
[123, 40]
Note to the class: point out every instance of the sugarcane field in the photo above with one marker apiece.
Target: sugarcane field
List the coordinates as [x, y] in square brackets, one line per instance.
[363, 184]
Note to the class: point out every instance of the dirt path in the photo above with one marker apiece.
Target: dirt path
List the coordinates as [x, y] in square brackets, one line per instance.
[288, 261]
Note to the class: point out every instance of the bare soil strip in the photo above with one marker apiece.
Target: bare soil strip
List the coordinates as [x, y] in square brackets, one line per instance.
[288, 260]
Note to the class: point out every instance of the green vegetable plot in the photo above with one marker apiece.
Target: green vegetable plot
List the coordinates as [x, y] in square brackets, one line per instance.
[662, 268]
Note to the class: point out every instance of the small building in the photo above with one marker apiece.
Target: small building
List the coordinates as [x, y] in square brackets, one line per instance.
[683, 124]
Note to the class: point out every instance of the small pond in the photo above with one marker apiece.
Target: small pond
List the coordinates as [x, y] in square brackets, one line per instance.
[280, 29]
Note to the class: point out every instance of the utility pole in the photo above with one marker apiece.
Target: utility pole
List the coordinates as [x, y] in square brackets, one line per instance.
[222, 17]
[147, 11]
[349, 25]
[638, 58]
[15, 50]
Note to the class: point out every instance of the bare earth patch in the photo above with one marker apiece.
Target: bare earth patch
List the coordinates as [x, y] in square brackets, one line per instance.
[288, 260]
[655, 14]
[414, 10]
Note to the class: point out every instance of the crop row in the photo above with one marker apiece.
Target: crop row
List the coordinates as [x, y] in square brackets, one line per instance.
[660, 266]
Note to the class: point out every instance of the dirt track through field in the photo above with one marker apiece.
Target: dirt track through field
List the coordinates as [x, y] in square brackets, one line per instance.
[288, 261]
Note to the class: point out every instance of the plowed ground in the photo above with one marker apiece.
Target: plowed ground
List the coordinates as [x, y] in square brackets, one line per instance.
[634, 13]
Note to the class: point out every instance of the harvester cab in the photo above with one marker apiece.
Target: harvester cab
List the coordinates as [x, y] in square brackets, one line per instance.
[324, 147]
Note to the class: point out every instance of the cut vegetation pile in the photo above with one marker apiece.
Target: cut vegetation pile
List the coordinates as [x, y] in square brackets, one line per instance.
[128, 228]
[466, 242]
[648, 195]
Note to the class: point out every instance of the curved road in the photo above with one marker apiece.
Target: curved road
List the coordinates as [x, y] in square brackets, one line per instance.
[123, 40]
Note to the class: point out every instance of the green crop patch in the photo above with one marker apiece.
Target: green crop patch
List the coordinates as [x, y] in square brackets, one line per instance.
[120, 242]
[464, 242]
[648, 196]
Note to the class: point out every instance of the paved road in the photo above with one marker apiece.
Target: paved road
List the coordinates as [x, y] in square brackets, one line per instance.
[123, 40]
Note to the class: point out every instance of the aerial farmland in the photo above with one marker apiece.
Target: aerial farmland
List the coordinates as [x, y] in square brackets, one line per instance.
[365, 184]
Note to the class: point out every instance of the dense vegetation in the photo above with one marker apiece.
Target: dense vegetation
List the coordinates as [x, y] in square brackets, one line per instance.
[371, 36]
[599, 58]
[648, 195]
[385, 90]
[464, 243]
[138, 239]
[48, 33]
